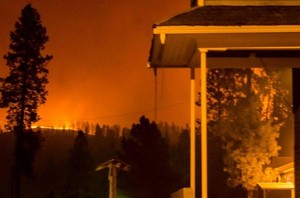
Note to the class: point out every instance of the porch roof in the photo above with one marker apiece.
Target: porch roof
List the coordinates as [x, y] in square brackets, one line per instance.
[267, 34]
[236, 16]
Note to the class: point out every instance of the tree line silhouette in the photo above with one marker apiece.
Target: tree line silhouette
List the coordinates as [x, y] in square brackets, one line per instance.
[65, 164]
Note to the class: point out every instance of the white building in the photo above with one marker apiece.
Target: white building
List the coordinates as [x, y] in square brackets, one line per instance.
[230, 33]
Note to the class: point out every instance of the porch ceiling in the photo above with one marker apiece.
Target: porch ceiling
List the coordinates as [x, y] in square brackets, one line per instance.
[281, 49]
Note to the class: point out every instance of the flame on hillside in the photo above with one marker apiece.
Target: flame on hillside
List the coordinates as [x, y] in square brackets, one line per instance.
[87, 127]
[51, 127]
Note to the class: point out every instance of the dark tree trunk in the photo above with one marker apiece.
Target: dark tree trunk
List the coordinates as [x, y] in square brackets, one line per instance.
[17, 171]
[20, 138]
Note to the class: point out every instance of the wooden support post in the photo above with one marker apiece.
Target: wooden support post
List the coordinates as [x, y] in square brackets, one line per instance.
[193, 137]
[203, 123]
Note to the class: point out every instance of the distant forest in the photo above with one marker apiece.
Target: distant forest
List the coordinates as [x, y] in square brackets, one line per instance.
[65, 164]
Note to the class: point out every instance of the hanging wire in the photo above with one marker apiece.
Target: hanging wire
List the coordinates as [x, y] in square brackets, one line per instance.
[155, 94]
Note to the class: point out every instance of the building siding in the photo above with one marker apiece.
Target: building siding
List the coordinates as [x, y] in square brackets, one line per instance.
[296, 101]
[297, 152]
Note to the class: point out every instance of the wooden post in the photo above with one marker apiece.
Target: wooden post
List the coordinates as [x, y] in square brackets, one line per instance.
[113, 166]
[112, 177]
[203, 123]
[193, 137]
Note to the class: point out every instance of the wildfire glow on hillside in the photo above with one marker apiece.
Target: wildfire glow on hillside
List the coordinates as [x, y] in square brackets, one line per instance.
[98, 72]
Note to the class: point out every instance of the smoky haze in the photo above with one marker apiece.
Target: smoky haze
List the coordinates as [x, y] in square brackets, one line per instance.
[100, 49]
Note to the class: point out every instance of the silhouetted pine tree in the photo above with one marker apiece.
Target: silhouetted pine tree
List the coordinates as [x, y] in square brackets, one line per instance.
[148, 154]
[79, 169]
[98, 130]
[181, 159]
[23, 90]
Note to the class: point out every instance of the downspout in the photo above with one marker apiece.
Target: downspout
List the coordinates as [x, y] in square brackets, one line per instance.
[155, 94]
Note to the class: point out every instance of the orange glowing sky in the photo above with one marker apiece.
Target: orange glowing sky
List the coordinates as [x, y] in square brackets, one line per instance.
[100, 49]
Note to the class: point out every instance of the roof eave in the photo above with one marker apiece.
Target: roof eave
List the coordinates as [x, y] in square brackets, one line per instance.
[184, 29]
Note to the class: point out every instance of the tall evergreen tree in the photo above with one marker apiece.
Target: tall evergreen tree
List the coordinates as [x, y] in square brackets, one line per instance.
[23, 90]
[79, 168]
[181, 159]
[98, 130]
[148, 154]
